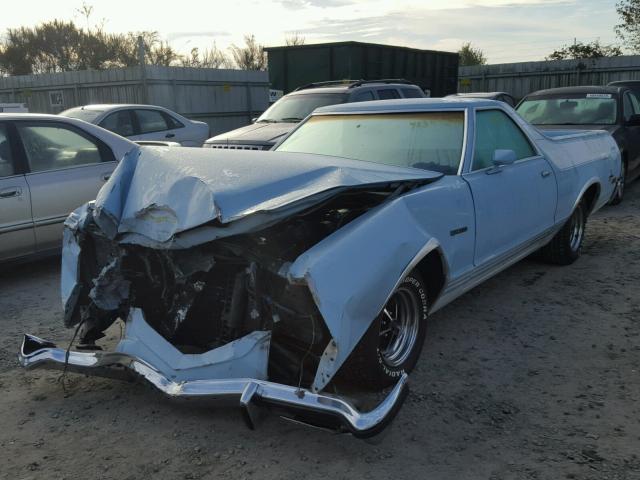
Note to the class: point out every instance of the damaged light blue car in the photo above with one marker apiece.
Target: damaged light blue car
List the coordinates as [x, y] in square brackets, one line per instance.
[277, 279]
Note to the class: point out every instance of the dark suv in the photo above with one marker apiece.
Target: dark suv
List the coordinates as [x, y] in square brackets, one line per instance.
[291, 109]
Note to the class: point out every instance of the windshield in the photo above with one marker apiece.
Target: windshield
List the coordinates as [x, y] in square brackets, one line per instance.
[295, 108]
[580, 109]
[426, 140]
[82, 114]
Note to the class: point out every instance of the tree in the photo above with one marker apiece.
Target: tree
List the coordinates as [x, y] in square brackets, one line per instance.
[471, 56]
[59, 46]
[250, 57]
[294, 39]
[585, 50]
[210, 58]
[629, 30]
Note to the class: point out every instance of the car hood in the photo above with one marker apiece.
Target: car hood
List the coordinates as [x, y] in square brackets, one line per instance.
[158, 196]
[256, 132]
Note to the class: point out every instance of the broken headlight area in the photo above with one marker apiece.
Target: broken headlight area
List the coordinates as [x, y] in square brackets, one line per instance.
[220, 312]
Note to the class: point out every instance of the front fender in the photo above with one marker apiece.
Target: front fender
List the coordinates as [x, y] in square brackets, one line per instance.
[352, 273]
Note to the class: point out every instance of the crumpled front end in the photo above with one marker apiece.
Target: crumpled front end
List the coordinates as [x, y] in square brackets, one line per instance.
[240, 307]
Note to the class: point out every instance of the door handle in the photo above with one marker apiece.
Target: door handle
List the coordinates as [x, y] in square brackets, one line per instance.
[170, 135]
[105, 176]
[545, 173]
[11, 192]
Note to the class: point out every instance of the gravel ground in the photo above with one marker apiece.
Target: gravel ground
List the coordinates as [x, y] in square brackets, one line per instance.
[533, 375]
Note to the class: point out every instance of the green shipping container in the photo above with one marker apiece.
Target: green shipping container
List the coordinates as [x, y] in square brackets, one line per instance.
[293, 66]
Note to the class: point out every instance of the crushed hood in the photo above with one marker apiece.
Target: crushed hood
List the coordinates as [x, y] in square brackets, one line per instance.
[259, 132]
[157, 194]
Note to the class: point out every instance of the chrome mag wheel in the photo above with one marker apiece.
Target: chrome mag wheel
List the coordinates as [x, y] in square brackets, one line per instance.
[577, 229]
[399, 325]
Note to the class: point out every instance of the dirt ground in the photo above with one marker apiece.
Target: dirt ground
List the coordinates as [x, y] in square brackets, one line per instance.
[533, 375]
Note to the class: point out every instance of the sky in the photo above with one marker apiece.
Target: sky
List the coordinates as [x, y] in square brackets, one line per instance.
[505, 30]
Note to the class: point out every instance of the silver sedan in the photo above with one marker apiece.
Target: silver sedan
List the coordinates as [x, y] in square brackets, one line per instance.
[49, 165]
[143, 122]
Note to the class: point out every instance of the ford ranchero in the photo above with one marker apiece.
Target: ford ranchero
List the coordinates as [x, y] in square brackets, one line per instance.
[268, 278]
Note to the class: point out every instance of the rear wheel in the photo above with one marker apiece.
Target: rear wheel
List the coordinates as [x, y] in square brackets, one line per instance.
[565, 247]
[394, 340]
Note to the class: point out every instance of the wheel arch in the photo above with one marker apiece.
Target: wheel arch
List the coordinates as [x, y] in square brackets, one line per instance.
[433, 269]
[590, 196]
[431, 262]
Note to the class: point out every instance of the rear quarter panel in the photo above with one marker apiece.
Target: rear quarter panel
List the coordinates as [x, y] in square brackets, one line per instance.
[580, 159]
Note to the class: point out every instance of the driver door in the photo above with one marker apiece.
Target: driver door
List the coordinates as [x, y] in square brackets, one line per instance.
[514, 203]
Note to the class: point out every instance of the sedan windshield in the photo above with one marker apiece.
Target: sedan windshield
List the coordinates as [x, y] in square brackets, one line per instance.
[426, 140]
[83, 114]
[589, 109]
[295, 108]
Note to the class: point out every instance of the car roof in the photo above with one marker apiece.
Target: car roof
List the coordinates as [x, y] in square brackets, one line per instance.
[624, 83]
[577, 90]
[352, 86]
[478, 94]
[31, 116]
[410, 104]
[109, 106]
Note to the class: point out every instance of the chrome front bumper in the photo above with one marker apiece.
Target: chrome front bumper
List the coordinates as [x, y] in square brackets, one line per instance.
[299, 404]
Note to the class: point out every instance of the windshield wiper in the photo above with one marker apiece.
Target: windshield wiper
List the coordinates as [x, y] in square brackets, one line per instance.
[291, 119]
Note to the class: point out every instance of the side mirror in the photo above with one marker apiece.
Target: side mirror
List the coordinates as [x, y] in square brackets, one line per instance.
[504, 157]
[634, 121]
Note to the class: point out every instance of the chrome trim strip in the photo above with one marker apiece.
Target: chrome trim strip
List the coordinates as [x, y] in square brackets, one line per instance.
[245, 392]
[468, 280]
[50, 221]
[16, 227]
[73, 167]
[465, 142]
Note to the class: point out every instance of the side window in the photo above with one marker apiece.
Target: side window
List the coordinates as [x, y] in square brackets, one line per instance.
[631, 105]
[635, 102]
[411, 93]
[388, 93]
[172, 123]
[119, 122]
[496, 131]
[55, 146]
[151, 121]
[363, 96]
[6, 160]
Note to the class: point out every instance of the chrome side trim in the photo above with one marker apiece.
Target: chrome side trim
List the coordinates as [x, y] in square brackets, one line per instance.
[296, 403]
[43, 222]
[17, 227]
[467, 281]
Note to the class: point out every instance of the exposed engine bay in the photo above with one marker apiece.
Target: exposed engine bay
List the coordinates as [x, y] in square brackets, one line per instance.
[229, 271]
[207, 296]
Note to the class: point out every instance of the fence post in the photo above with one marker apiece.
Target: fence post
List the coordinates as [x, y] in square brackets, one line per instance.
[143, 70]
[249, 101]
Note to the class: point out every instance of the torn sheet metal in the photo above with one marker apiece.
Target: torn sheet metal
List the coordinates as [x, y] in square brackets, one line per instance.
[110, 288]
[154, 195]
[245, 357]
[70, 287]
